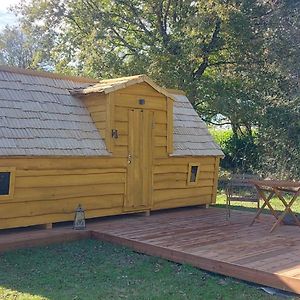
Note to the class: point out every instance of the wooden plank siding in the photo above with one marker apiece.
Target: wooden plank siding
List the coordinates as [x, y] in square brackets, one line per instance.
[128, 98]
[48, 190]
[97, 107]
[170, 182]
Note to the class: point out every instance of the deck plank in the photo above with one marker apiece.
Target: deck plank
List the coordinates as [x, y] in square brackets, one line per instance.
[205, 239]
[200, 237]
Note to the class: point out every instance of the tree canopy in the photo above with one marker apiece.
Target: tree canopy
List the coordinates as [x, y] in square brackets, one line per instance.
[238, 60]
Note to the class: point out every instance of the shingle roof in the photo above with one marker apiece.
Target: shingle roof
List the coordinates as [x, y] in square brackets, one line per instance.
[38, 116]
[191, 136]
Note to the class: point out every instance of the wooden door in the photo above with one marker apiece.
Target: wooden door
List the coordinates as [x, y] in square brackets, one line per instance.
[139, 175]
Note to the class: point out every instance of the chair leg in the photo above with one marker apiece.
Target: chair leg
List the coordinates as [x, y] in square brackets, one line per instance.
[227, 208]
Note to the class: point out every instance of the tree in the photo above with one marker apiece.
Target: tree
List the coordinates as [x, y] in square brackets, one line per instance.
[184, 44]
[230, 56]
[18, 49]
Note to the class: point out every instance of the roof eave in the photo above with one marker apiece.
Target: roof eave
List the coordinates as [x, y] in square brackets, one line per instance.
[131, 81]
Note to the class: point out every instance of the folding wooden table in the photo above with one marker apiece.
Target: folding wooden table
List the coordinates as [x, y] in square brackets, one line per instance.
[267, 189]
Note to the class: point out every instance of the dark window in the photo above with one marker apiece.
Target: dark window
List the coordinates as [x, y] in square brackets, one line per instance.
[4, 183]
[194, 170]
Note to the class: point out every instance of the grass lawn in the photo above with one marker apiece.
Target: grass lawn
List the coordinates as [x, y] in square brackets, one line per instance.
[96, 270]
[276, 203]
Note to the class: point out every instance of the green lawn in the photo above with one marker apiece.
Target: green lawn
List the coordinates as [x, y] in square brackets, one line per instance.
[276, 203]
[95, 270]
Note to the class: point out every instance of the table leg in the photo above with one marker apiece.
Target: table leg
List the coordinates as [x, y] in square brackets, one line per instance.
[287, 209]
[266, 203]
[288, 205]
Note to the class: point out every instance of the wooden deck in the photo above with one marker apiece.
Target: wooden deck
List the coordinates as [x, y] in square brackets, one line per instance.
[203, 238]
[200, 237]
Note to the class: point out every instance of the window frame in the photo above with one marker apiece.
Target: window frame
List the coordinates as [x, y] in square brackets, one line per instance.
[12, 172]
[190, 173]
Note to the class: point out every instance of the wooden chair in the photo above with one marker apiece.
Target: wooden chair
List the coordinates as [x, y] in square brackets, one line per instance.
[240, 189]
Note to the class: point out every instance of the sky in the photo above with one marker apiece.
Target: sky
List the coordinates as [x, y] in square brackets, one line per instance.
[6, 17]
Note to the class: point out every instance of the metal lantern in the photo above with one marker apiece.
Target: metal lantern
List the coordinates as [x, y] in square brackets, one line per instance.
[79, 220]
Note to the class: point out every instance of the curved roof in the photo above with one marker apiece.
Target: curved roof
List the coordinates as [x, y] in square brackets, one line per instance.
[191, 136]
[41, 115]
[38, 116]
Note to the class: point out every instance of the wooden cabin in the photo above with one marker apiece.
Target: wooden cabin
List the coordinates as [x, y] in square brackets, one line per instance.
[114, 146]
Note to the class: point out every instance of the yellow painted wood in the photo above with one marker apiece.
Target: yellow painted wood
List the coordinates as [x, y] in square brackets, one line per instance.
[160, 151]
[56, 193]
[132, 101]
[68, 180]
[140, 159]
[182, 176]
[12, 171]
[96, 105]
[120, 150]
[121, 114]
[160, 195]
[68, 205]
[122, 127]
[110, 119]
[141, 89]
[172, 183]
[160, 130]
[53, 218]
[59, 172]
[94, 99]
[99, 116]
[160, 117]
[215, 185]
[129, 201]
[55, 163]
[160, 141]
[180, 183]
[48, 189]
[147, 157]
[122, 140]
[101, 125]
[181, 202]
[170, 127]
[175, 160]
[170, 169]
[101, 107]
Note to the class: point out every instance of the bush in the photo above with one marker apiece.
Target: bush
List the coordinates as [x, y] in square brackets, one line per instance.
[241, 153]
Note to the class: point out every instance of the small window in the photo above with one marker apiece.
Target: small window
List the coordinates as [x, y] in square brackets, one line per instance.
[193, 174]
[6, 182]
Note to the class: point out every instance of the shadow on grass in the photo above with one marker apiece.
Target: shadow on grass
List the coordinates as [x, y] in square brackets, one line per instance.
[243, 208]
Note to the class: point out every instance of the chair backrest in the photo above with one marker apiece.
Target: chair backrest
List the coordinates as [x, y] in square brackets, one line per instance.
[240, 189]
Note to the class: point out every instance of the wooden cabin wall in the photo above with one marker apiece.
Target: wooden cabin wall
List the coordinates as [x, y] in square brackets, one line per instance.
[170, 188]
[97, 107]
[48, 190]
[128, 98]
